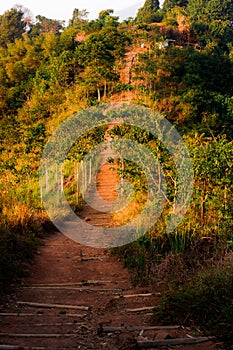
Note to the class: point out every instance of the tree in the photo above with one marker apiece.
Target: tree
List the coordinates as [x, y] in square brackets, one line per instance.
[46, 25]
[115, 41]
[79, 18]
[67, 39]
[96, 58]
[168, 5]
[191, 87]
[147, 13]
[27, 16]
[107, 19]
[211, 21]
[12, 26]
[18, 64]
[104, 20]
[209, 10]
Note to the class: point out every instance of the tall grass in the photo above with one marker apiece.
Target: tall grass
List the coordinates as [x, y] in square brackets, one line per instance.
[205, 301]
[21, 228]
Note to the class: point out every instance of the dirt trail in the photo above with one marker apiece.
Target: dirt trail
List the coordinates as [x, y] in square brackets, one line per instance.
[126, 74]
[88, 286]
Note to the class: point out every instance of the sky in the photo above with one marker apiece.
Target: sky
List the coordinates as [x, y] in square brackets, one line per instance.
[63, 9]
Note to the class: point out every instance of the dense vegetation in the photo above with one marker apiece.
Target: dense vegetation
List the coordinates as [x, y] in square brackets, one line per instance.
[184, 69]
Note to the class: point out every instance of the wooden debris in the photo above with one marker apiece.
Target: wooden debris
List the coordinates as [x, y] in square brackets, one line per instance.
[177, 341]
[16, 314]
[79, 289]
[102, 329]
[35, 335]
[75, 307]
[15, 347]
[141, 309]
[52, 324]
[91, 258]
[53, 245]
[74, 315]
[137, 295]
[82, 283]
[10, 347]
[13, 314]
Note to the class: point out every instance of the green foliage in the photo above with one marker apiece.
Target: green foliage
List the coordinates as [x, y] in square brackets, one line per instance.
[79, 18]
[211, 20]
[35, 136]
[107, 19]
[209, 10]
[104, 20]
[194, 85]
[97, 56]
[12, 26]
[46, 25]
[205, 301]
[46, 75]
[147, 13]
[168, 5]
[204, 236]
[123, 87]
[86, 143]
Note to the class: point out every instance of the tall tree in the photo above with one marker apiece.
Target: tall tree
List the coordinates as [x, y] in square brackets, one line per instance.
[107, 19]
[147, 13]
[209, 10]
[212, 20]
[96, 57]
[46, 25]
[12, 26]
[79, 18]
[170, 4]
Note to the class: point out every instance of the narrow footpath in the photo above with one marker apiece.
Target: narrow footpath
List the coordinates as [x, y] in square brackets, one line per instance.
[78, 297]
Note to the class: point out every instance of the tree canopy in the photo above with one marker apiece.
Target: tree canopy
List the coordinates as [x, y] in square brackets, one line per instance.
[170, 4]
[12, 26]
[147, 13]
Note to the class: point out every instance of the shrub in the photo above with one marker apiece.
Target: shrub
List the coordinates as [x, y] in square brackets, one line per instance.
[16, 248]
[206, 301]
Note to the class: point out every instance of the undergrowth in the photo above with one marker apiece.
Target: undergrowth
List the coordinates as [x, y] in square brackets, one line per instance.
[21, 228]
[205, 300]
[17, 248]
[197, 277]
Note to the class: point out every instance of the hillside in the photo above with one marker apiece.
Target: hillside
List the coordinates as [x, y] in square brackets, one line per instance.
[175, 66]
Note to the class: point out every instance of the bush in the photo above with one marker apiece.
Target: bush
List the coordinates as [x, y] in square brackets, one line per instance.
[16, 248]
[206, 301]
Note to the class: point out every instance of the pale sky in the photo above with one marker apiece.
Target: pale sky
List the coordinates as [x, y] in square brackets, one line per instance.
[63, 9]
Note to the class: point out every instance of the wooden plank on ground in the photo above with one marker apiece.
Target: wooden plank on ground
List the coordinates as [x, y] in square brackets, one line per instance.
[141, 295]
[83, 283]
[90, 258]
[146, 308]
[13, 314]
[32, 304]
[177, 341]
[35, 335]
[11, 347]
[76, 288]
[102, 329]
[16, 314]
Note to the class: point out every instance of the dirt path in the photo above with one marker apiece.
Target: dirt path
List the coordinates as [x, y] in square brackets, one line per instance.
[89, 287]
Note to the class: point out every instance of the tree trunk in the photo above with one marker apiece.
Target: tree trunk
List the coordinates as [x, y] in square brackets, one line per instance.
[203, 203]
[105, 89]
[98, 91]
